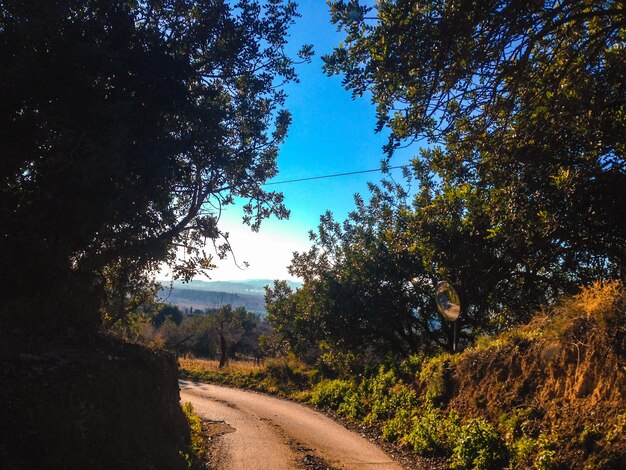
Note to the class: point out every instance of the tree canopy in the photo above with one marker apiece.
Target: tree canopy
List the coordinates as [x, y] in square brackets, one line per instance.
[125, 127]
[515, 196]
[528, 95]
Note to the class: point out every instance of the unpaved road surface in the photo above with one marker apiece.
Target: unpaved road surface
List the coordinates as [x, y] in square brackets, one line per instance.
[259, 432]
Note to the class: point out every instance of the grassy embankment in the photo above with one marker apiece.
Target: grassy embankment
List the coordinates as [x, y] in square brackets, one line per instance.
[550, 394]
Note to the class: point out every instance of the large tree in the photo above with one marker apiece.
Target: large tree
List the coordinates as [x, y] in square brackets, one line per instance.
[529, 96]
[524, 103]
[518, 198]
[125, 127]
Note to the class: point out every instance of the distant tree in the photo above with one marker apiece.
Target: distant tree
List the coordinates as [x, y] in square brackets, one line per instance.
[231, 326]
[168, 312]
[125, 127]
[296, 326]
[252, 326]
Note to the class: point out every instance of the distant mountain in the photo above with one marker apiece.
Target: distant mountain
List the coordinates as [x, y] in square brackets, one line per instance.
[200, 295]
[187, 299]
[248, 286]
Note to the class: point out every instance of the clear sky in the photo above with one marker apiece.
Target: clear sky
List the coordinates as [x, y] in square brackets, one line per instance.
[330, 133]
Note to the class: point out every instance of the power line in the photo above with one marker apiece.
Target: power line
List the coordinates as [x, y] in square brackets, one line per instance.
[335, 175]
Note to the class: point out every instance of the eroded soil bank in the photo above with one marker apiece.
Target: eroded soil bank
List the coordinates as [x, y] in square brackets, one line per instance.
[563, 375]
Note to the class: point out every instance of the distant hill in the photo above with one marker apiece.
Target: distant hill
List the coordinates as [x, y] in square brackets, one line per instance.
[248, 286]
[198, 294]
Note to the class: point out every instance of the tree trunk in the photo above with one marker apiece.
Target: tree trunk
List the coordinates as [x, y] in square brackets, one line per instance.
[223, 351]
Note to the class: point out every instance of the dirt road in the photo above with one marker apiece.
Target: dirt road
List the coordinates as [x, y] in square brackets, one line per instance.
[259, 432]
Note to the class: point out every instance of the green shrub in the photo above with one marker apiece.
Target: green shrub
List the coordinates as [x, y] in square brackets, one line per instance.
[427, 432]
[378, 391]
[288, 375]
[432, 377]
[478, 445]
[403, 403]
[330, 393]
[512, 424]
[352, 406]
[197, 446]
[399, 425]
[411, 366]
[545, 456]
[522, 451]
[617, 429]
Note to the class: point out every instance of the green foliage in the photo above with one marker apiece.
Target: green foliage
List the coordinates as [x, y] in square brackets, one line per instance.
[513, 423]
[410, 367]
[518, 201]
[170, 312]
[195, 426]
[289, 375]
[398, 424]
[245, 380]
[478, 445]
[433, 377]
[152, 113]
[528, 452]
[286, 377]
[293, 320]
[353, 405]
[522, 451]
[618, 428]
[221, 333]
[131, 295]
[380, 399]
[331, 394]
[360, 296]
[545, 456]
[426, 434]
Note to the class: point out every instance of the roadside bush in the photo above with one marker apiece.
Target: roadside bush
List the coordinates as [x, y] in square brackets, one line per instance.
[478, 445]
[401, 405]
[427, 434]
[514, 423]
[195, 426]
[352, 406]
[432, 377]
[522, 452]
[198, 444]
[410, 368]
[545, 454]
[398, 426]
[331, 394]
[617, 429]
[288, 375]
[377, 393]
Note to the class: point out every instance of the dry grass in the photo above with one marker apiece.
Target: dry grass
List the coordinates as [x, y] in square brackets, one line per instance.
[213, 365]
[600, 306]
[602, 303]
[601, 300]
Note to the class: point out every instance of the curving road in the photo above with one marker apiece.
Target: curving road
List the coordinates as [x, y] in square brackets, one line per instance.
[258, 432]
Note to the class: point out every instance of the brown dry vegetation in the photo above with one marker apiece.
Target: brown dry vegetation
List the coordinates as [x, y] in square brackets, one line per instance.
[565, 372]
[192, 363]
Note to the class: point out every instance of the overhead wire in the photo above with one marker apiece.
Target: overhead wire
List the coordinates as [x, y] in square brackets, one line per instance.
[334, 175]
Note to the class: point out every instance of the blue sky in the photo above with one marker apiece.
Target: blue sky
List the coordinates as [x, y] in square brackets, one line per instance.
[331, 133]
